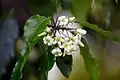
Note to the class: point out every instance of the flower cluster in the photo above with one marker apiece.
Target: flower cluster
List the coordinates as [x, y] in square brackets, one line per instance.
[65, 40]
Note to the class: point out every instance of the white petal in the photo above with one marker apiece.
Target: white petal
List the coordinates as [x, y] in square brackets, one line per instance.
[58, 50]
[67, 38]
[61, 23]
[79, 36]
[61, 18]
[81, 31]
[51, 41]
[61, 45]
[60, 54]
[48, 37]
[49, 44]
[54, 42]
[65, 20]
[53, 51]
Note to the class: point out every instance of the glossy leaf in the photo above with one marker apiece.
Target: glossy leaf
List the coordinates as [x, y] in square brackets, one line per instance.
[91, 65]
[46, 63]
[65, 65]
[34, 26]
[51, 59]
[47, 60]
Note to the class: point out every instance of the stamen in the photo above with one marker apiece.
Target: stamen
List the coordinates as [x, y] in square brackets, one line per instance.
[56, 20]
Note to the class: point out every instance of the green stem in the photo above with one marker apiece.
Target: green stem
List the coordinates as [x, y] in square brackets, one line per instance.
[107, 34]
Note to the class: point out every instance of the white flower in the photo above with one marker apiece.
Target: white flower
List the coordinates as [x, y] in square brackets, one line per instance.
[61, 18]
[63, 22]
[68, 39]
[81, 31]
[48, 40]
[71, 19]
[71, 49]
[79, 36]
[66, 46]
[56, 52]
[59, 40]
[77, 40]
[65, 40]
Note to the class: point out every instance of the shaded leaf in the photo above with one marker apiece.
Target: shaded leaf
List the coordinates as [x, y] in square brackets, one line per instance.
[43, 76]
[51, 59]
[47, 51]
[91, 65]
[46, 60]
[42, 46]
[65, 65]
[46, 63]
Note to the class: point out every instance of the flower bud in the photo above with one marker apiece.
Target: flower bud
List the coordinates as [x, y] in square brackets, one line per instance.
[81, 31]
[71, 19]
[48, 29]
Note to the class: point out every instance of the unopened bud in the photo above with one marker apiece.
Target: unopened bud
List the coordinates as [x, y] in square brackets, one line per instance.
[42, 34]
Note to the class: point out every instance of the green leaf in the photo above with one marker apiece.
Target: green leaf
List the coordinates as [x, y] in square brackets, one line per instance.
[51, 59]
[46, 63]
[80, 9]
[17, 71]
[47, 60]
[34, 26]
[43, 76]
[65, 65]
[91, 65]
[107, 34]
